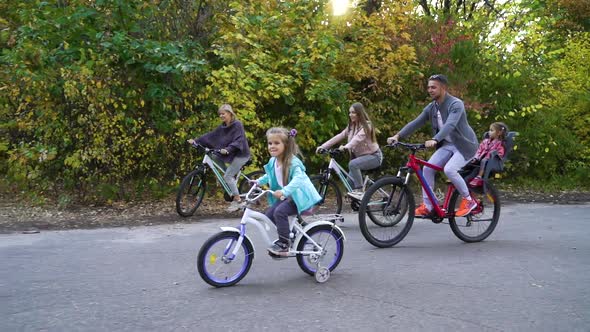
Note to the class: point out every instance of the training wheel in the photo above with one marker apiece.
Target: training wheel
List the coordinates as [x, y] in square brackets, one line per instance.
[322, 274]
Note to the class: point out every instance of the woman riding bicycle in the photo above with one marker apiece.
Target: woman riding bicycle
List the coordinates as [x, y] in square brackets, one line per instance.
[362, 144]
[230, 139]
[454, 139]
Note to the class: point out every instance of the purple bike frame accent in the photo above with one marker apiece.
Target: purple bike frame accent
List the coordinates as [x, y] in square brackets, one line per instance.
[242, 233]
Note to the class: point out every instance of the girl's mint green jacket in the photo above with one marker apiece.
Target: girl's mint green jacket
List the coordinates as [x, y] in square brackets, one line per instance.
[299, 187]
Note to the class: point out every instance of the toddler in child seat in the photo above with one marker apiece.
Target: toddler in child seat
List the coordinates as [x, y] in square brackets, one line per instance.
[293, 190]
[494, 142]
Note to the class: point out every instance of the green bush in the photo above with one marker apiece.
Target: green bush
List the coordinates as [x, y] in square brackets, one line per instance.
[98, 98]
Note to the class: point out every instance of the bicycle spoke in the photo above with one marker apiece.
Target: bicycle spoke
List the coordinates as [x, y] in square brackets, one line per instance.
[482, 221]
[331, 202]
[332, 245]
[190, 193]
[386, 212]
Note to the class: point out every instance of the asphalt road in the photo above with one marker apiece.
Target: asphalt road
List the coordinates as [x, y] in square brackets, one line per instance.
[532, 274]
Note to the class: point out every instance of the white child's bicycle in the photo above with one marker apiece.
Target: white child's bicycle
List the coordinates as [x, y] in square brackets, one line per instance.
[317, 243]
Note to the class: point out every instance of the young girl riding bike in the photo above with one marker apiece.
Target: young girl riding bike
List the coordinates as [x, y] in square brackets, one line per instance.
[293, 191]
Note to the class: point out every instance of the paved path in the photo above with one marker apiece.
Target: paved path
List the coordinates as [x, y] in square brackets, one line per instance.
[532, 274]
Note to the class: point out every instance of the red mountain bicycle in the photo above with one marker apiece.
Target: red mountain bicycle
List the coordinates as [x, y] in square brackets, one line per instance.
[390, 201]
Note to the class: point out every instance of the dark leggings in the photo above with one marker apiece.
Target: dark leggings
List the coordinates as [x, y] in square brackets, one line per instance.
[279, 214]
[471, 170]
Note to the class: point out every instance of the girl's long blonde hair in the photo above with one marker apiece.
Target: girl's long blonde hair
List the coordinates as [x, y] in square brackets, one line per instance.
[291, 148]
[364, 122]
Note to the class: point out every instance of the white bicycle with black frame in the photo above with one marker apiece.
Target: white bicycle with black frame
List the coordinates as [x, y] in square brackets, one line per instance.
[316, 242]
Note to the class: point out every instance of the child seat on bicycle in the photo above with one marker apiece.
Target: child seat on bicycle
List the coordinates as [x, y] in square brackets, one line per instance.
[493, 147]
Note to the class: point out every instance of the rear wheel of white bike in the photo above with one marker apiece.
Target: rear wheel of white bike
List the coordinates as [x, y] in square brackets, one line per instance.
[332, 242]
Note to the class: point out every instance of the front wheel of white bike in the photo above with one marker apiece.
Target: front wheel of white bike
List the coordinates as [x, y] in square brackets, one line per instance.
[218, 266]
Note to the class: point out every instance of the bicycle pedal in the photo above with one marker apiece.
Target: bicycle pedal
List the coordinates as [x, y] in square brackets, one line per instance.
[436, 220]
[277, 257]
[280, 257]
[431, 216]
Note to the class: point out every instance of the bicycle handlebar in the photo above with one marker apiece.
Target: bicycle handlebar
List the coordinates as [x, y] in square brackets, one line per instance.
[258, 192]
[331, 152]
[206, 149]
[409, 146]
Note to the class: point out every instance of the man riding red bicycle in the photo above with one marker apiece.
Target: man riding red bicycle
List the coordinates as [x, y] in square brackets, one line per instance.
[453, 137]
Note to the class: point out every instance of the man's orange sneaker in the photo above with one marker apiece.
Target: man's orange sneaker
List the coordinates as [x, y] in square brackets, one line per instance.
[421, 211]
[466, 207]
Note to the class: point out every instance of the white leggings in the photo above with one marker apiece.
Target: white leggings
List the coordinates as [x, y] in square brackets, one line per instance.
[452, 160]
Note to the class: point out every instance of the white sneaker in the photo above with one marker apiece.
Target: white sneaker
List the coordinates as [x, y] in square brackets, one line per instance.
[235, 206]
[356, 194]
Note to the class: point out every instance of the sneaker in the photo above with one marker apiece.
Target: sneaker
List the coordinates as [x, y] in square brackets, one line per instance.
[476, 181]
[235, 206]
[466, 207]
[279, 248]
[421, 211]
[356, 194]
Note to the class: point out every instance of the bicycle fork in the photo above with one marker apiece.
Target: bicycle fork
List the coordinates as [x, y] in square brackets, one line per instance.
[226, 251]
[397, 208]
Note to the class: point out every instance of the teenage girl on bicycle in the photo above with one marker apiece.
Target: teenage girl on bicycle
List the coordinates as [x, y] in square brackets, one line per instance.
[454, 139]
[362, 144]
[293, 191]
[230, 138]
[494, 142]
